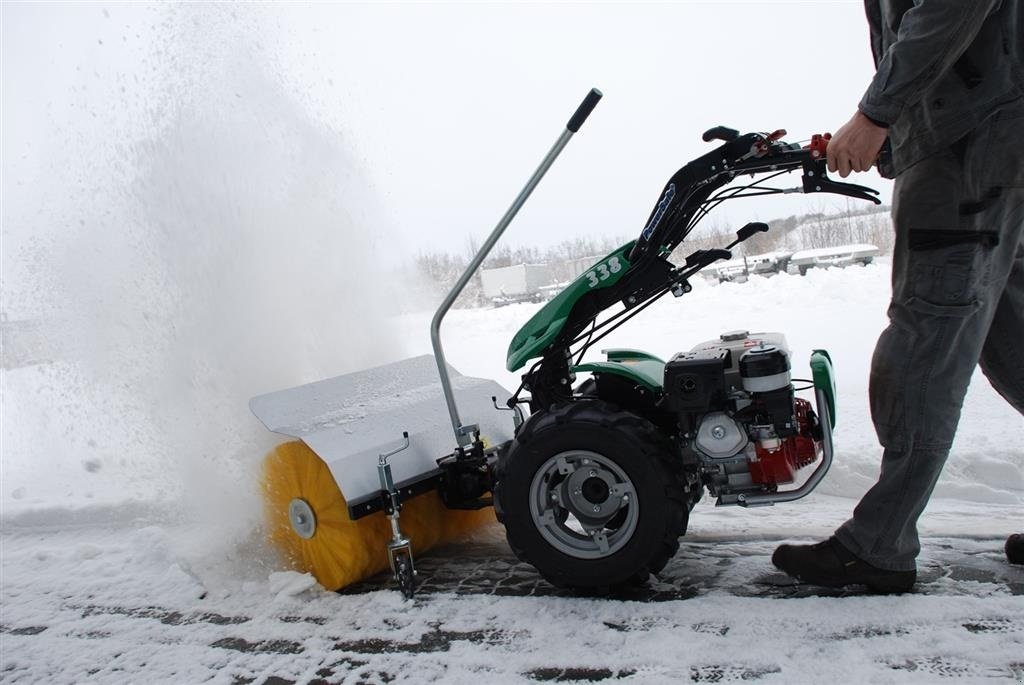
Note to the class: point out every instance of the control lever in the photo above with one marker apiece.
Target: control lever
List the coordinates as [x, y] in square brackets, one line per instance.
[721, 133]
[818, 182]
[750, 229]
[702, 258]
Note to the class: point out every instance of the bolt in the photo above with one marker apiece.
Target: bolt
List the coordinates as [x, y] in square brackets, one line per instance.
[718, 432]
[593, 473]
[301, 519]
[818, 188]
[577, 492]
[586, 462]
[597, 509]
[625, 499]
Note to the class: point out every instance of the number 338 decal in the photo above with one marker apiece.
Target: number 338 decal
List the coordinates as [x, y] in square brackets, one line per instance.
[602, 271]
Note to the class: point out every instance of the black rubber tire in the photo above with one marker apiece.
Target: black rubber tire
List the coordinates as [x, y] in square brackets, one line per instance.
[636, 446]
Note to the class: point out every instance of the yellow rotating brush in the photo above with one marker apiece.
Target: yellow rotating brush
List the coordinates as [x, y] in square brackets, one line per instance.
[308, 520]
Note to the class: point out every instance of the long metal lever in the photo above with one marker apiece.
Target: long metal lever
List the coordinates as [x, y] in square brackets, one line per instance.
[464, 434]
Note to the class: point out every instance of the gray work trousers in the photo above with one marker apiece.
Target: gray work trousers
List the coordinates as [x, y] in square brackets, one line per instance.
[957, 301]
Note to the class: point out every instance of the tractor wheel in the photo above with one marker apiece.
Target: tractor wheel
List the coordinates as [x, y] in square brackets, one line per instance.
[589, 496]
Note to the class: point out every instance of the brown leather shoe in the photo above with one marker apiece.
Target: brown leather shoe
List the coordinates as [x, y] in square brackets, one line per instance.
[1015, 548]
[829, 564]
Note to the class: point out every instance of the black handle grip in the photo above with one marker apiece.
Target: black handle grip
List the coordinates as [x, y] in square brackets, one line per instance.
[720, 133]
[584, 110]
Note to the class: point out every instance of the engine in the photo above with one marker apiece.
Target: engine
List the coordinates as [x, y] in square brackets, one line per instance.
[742, 424]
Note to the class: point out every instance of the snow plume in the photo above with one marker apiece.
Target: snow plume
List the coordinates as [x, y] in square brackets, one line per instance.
[215, 247]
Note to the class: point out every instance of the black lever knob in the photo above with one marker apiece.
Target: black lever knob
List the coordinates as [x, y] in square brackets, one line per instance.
[721, 133]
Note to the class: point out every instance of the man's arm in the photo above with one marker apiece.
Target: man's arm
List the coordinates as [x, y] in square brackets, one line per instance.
[932, 36]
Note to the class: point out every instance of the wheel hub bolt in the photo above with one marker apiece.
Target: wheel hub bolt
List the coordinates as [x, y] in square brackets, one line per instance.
[593, 473]
[597, 509]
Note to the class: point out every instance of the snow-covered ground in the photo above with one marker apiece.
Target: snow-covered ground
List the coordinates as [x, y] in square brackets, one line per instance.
[128, 569]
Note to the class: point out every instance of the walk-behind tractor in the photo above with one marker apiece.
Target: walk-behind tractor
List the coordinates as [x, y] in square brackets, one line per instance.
[593, 480]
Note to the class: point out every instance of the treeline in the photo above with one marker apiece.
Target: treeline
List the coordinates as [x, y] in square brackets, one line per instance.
[440, 270]
[805, 232]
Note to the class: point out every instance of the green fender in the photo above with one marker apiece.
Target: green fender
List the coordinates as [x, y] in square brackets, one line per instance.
[640, 367]
[821, 368]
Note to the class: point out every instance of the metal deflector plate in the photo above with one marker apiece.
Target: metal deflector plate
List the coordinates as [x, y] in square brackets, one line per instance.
[349, 420]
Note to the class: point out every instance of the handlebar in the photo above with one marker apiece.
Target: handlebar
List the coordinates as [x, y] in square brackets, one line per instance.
[689, 191]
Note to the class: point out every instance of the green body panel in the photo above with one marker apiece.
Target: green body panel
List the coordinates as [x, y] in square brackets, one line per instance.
[646, 372]
[544, 326]
[821, 368]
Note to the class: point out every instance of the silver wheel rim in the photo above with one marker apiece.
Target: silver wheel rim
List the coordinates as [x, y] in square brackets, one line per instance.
[302, 518]
[583, 504]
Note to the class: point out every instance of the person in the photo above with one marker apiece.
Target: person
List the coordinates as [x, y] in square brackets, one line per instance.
[948, 94]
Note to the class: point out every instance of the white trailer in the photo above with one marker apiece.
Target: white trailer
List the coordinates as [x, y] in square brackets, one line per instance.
[825, 257]
[518, 283]
[575, 267]
[739, 269]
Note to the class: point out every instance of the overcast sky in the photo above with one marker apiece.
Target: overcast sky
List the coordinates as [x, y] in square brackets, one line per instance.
[447, 108]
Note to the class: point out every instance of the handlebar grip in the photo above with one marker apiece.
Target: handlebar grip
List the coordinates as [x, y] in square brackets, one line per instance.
[584, 110]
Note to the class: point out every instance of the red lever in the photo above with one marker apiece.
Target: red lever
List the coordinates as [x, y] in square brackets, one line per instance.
[760, 148]
[819, 144]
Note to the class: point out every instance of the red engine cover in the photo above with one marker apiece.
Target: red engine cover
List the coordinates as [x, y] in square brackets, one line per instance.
[779, 466]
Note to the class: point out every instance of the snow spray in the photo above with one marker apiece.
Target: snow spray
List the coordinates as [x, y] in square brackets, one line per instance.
[213, 244]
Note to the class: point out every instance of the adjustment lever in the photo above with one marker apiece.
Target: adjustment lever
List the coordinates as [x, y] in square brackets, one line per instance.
[721, 133]
[753, 228]
[702, 258]
[400, 548]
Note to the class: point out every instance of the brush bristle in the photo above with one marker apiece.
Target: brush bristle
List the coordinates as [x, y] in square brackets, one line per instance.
[343, 551]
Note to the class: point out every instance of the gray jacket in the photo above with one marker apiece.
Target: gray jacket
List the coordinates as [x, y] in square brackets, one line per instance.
[943, 67]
